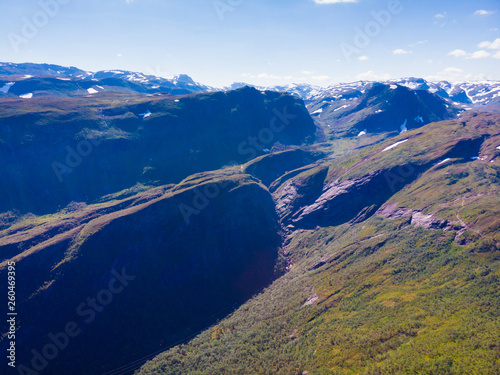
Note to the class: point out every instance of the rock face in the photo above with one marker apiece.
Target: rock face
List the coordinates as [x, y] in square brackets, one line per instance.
[352, 199]
[417, 218]
[190, 257]
[298, 193]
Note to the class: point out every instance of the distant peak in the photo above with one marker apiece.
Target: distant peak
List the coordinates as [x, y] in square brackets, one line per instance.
[184, 78]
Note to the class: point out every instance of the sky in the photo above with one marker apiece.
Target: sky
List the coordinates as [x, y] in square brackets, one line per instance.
[262, 42]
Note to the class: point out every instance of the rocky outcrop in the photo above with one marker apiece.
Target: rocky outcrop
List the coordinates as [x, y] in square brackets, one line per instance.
[299, 192]
[417, 218]
[353, 199]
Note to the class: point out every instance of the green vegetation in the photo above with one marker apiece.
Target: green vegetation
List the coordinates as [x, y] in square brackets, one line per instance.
[384, 296]
[399, 302]
[173, 200]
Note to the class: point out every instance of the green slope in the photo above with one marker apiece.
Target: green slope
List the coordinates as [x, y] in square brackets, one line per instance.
[410, 289]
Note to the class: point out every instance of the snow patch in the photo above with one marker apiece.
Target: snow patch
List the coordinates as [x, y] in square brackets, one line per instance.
[394, 145]
[26, 96]
[92, 91]
[318, 111]
[5, 89]
[443, 161]
[146, 114]
[404, 129]
[393, 87]
[498, 147]
[338, 109]
[362, 133]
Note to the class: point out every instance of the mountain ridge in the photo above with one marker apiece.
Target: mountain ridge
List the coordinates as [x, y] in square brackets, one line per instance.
[466, 92]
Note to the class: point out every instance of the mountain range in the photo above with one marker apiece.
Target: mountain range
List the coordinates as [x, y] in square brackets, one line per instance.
[160, 226]
[470, 93]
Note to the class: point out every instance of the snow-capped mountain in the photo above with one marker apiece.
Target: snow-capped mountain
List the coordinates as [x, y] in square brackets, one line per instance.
[30, 69]
[476, 92]
[18, 80]
[466, 94]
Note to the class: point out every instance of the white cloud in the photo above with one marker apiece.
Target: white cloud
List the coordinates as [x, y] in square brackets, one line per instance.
[497, 55]
[490, 45]
[479, 55]
[420, 42]
[401, 52]
[453, 70]
[321, 78]
[372, 76]
[260, 76]
[455, 74]
[440, 15]
[268, 76]
[363, 58]
[334, 1]
[483, 12]
[306, 72]
[274, 77]
[457, 53]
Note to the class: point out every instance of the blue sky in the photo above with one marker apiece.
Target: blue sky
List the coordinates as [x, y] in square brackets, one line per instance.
[265, 42]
